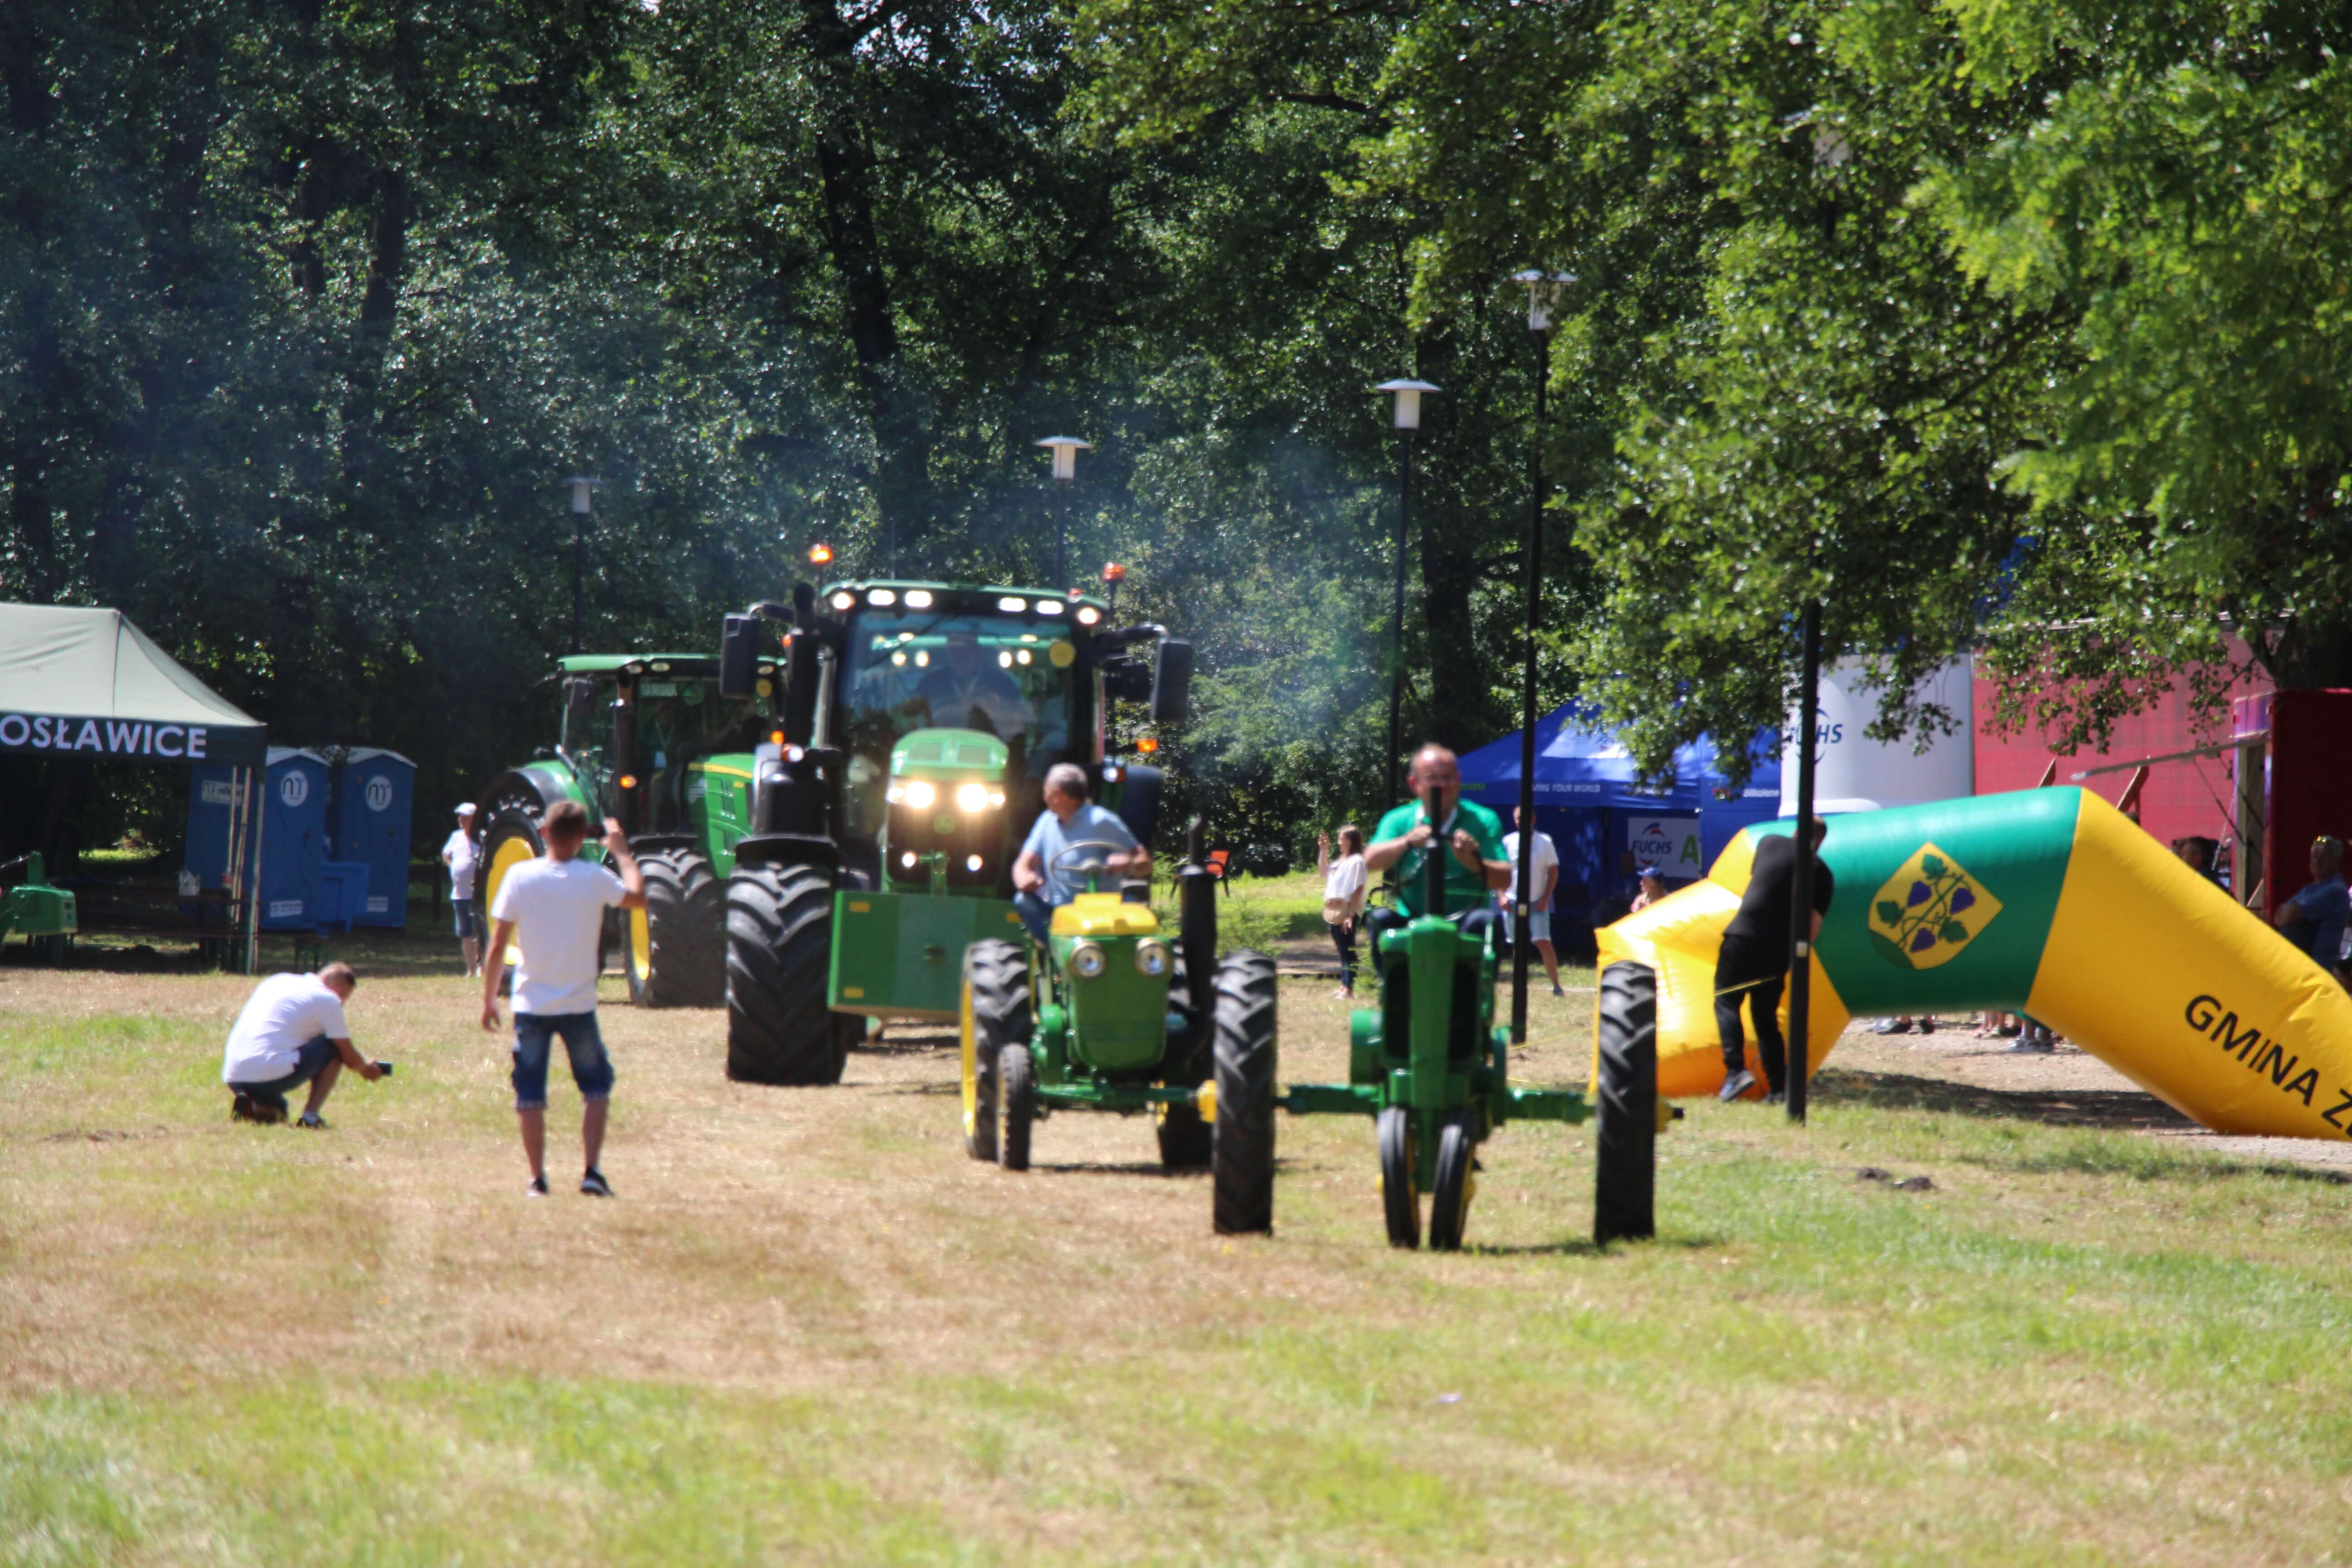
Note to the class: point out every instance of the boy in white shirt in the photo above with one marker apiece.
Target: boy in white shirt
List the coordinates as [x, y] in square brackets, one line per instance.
[291, 1032]
[553, 908]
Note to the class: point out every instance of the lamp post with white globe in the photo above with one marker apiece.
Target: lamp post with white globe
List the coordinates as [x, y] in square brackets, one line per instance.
[1066, 450]
[1407, 414]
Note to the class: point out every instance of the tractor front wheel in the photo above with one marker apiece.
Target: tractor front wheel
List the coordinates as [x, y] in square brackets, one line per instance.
[1242, 1155]
[1449, 1200]
[779, 946]
[1398, 1195]
[674, 949]
[995, 1015]
[1626, 1106]
[1016, 1105]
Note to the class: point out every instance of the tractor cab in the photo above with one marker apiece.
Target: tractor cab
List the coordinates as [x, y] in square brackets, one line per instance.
[640, 731]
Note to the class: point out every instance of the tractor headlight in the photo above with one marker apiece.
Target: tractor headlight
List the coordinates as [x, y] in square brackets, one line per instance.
[1151, 958]
[1086, 961]
[921, 794]
[972, 798]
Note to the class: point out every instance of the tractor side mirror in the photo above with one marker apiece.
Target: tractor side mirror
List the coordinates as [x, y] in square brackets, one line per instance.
[739, 658]
[1172, 682]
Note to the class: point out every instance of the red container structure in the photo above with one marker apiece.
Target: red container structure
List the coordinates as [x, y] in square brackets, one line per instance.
[2295, 756]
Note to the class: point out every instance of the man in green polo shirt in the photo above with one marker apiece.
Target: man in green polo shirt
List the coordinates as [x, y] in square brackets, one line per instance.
[1467, 834]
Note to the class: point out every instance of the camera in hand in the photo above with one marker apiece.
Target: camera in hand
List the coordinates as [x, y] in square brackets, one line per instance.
[384, 1068]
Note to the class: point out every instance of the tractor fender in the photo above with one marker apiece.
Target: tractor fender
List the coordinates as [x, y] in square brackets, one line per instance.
[533, 787]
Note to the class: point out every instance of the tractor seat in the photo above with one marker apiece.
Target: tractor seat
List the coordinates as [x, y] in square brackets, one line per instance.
[1104, 914]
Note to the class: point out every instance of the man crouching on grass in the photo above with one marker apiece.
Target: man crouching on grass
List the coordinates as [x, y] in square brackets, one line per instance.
[291, 1033]
[553, 908]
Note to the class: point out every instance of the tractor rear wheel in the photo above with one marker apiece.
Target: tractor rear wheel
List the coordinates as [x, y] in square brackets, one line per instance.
[1449, 1200]
[1398, 1195]
[1626, 1106]
[1242, 1153]
[779, 946]
[674, 949]
[512, 838]
[1016, 1105]
[995, 1015]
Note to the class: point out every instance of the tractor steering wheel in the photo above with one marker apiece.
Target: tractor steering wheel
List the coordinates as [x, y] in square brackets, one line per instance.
[1087, 858]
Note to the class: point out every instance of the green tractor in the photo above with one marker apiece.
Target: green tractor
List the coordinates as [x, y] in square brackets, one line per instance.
[918, 721]
[1104, 1015]
[647, 740]
[45, 916]
[1430, 1069]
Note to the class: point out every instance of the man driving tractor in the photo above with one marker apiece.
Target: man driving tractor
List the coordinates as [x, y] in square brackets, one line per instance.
[968, 691]
[1477, 867]
[1069, 818]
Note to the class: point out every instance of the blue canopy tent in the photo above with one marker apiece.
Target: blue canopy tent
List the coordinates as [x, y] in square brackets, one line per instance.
[1604, 822]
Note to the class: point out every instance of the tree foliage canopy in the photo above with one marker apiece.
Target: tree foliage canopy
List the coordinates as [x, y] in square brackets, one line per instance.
[2011, 326]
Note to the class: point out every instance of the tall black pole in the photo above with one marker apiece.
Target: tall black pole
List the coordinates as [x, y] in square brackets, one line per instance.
[1062, 534]
[579, 569]
[1396, 621]
[1524, 895]
[1800, 918]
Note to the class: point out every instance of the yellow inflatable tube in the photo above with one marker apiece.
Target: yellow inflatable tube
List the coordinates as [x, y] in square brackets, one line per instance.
[2046, 902]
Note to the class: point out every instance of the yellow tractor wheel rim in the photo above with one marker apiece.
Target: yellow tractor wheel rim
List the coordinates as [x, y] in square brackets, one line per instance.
[510, 853]
[971, 1042]
[641, 945]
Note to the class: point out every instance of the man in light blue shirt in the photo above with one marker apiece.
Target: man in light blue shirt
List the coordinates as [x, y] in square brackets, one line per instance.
[1068, 818]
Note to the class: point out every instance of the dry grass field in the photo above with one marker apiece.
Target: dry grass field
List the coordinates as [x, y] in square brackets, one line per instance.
[809, 1330]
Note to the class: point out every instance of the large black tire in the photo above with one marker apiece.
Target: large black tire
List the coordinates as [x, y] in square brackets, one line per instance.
[685, 962]
[779, 944]
[1016, 1105]
[1625, 1102]
[1399, 1199]
[1242, 1155]
[996, 1003]
[1449, 1197]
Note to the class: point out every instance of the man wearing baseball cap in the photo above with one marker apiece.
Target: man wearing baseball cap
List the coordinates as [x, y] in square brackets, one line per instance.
[459, 855]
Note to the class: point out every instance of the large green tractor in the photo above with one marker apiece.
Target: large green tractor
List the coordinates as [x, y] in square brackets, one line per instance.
[647, 740]
[916, 724]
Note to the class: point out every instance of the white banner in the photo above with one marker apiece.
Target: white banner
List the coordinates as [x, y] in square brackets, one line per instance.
[1854, 772]
[1668, 840]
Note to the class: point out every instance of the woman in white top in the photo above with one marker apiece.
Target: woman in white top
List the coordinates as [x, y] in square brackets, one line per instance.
[1344, 890]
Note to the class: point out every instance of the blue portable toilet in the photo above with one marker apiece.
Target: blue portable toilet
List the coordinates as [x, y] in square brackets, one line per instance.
[293, 834]
[374, 795]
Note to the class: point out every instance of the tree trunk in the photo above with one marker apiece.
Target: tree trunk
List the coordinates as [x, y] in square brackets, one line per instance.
[845, 168]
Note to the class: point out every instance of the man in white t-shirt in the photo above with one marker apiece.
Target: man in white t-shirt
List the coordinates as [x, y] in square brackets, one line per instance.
[1543, 877]
[291, 1033]
[553, 910]
[460, 854]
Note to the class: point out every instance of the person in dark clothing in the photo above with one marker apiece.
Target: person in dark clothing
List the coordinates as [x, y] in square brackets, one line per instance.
[1754, 962]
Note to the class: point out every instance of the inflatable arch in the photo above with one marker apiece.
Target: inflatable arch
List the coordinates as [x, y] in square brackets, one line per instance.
[2046, 902]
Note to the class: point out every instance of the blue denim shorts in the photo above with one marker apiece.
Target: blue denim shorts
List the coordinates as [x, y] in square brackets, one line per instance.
[1539, 925]
[309, 1062]
[535, 1033]
[467, 913]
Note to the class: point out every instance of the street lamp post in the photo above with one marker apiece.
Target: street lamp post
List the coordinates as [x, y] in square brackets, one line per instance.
[1800, 893]
[583, 491]
[1543, 292]
[1407, 394]
[1065, 450]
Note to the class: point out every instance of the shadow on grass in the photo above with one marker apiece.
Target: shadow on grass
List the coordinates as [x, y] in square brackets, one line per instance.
[2098, 1110]
[2117, 1109]
[1586, 1247]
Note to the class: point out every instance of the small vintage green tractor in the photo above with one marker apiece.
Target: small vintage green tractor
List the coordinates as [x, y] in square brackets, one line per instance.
[1430, 1069]
[1104, 1015]
[917, 725]
[43, 915]
[647, 740]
